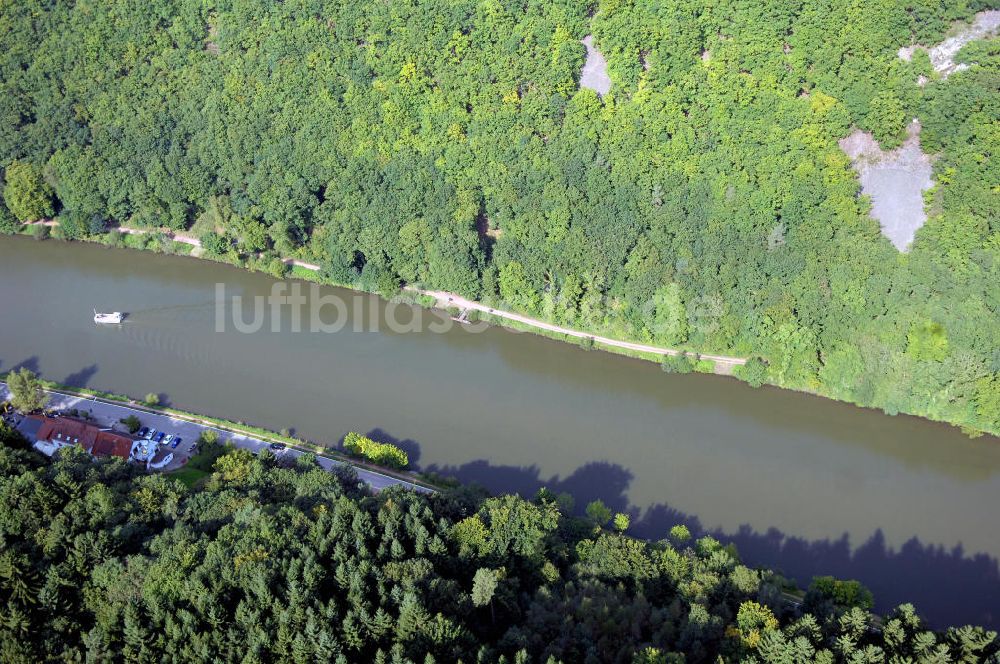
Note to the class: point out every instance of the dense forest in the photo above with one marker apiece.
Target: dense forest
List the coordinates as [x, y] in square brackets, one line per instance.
[273, 561]
[704, 203]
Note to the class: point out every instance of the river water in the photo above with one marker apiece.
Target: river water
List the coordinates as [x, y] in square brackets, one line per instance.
[798, 482]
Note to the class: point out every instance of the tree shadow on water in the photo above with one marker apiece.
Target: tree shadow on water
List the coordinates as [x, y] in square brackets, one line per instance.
[593, 481]
[947, 586]
[408, 445]
[31, 364]
[80, 378]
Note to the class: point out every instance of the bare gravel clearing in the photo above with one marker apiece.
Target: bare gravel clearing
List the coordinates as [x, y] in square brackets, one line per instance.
[942, 56]
[595, 70]
[894, 180]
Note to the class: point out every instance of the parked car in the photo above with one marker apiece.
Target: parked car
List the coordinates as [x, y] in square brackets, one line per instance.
[177, 441]
[142, 432]
[277, 447]
[159, 437]
[149, 434]
[166, 441]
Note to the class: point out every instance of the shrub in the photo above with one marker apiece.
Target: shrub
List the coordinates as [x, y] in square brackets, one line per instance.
[26, 391]
[215, 243]
[680, 533]
[598, 512]
[208, 436]
[8, 222]
[704, 366]
[151, 399]
[842, 594]
[277, 268]
[384, 454]
[680, 364]
[40, 231]
[26, 193]
[753, 372]
[209, 451]
[622, 522]
[132, 422]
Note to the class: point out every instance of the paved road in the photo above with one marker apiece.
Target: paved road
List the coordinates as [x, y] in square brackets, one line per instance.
[108, 414]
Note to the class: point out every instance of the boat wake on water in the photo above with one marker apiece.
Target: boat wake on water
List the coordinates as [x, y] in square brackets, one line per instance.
[171, 308]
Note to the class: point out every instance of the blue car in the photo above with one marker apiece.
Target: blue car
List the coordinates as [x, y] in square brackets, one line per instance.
[142, 432]
[177, 441]
[159, 437]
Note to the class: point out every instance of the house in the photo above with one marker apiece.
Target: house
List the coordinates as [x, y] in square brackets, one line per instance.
[54, 433]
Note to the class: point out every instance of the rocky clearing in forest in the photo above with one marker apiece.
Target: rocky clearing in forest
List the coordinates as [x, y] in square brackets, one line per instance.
[595, 70]
[895, 181]
[943, 55]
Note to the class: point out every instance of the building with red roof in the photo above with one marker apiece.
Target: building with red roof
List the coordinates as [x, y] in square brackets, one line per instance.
[56, 432]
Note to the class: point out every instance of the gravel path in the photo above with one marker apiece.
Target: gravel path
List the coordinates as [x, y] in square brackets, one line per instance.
[723, 364]
[451, 300]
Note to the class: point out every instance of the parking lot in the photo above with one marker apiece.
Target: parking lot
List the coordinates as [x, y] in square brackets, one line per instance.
[109, 415]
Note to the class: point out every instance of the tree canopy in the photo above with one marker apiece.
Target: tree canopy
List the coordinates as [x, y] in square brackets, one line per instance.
[704, 202]
[26, 392]
[275, 560]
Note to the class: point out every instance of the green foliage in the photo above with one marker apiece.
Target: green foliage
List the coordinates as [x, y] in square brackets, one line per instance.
[208, 436]
[151, 399]
[26, 392]
[8, 222]
[209, 451]
[598, 512]
[753, 621]
[680, 364]
[215, 243]
[670, 324]
[705, 201]
[27, 196]
[621, 522]
[132, 423]
[484, 584]
[843, 594]
[265, 562]
[680, 533]
[927, 341]
[384, 454]
[11, 437]
[886, 119]
[753, 372]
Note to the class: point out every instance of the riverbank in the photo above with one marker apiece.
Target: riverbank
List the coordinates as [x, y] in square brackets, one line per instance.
[866, 496]
[116, 407]
[720, 364]
[178, 243]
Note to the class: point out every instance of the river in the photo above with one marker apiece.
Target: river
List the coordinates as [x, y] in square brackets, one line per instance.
[800, 483]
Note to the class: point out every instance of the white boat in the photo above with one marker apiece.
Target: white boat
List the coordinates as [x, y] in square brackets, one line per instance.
[113, 317]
